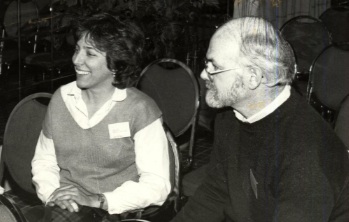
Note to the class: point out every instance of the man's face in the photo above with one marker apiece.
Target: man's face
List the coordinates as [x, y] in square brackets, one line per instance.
[223, 88]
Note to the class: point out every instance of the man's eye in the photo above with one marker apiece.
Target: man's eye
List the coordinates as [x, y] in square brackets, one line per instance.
[90, 54]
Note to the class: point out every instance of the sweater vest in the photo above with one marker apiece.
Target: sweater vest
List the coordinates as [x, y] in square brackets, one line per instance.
[90, 158]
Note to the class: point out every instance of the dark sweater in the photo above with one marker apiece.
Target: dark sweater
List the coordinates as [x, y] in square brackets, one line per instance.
[289, 166]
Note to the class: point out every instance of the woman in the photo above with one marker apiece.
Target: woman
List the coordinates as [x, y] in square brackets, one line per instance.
[102, 144]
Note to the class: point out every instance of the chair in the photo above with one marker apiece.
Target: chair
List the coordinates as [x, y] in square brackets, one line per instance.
[9, 212]
[175, 89]
[20, 137]
[329, 80]
[308, 37]
[342, 122]
[336, 20]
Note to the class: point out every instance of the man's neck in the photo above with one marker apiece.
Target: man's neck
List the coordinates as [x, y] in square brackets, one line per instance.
[258, 100]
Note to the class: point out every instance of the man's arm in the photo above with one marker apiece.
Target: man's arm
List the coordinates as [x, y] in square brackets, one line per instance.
[307, 189]
[210, 199]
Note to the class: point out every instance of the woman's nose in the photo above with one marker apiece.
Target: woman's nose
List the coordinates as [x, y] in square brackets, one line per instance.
[77, 58]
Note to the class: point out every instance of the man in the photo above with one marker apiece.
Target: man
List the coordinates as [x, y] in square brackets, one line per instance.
[274, 158]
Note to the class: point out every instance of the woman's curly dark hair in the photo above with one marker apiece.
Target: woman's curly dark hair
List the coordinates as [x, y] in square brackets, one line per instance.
[123, 42]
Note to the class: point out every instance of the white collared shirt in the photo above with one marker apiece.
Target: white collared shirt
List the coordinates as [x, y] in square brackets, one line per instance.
[152, 159]
[280, 99]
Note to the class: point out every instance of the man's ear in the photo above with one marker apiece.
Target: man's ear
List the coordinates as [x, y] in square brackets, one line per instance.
[255, 77]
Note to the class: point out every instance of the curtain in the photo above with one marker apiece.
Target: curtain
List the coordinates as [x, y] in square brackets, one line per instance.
[279, 11]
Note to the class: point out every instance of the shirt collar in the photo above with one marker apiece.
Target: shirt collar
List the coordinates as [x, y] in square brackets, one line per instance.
[118, 95]
[280, 99]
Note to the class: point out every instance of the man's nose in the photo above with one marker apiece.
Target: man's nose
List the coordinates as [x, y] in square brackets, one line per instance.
[204, 75]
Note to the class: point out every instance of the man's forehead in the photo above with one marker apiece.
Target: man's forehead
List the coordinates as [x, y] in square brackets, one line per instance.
[223, 45]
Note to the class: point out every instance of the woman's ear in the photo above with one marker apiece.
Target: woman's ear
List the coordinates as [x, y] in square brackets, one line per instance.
[255, 77]
[119, 66]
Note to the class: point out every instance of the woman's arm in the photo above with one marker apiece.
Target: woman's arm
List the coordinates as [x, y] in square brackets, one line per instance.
[152, 161]
[44, 168]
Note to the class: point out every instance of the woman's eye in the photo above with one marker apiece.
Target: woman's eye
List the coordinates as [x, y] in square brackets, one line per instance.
[90, 54]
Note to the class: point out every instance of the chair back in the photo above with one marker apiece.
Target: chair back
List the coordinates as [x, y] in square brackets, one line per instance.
[9, 212]
[342, 122]
[336, 20]
[20, 137]
[175, 89]
[329, 79]
[308, 36]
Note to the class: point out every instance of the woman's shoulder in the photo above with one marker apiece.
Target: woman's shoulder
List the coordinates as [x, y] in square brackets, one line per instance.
[138, 96]
[63, 90]
[141, 101]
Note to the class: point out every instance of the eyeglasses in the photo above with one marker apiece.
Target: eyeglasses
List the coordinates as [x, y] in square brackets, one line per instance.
[218, 71]
[210, 74]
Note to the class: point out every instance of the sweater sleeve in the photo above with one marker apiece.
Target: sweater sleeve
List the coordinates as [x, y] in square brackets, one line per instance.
[304, 191]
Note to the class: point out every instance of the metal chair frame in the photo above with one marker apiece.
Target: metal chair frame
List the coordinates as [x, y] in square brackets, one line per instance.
[10, 210]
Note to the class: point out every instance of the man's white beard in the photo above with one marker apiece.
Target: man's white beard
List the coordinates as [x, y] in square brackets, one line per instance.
[227, 98]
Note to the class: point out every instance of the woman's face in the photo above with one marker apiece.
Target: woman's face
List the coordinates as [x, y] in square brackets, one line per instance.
[91, 66]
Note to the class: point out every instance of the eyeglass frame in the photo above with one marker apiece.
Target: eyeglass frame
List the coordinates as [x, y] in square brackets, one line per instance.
[210, 74]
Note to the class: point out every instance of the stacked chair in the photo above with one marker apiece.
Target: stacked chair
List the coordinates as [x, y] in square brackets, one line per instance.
[321, 48]
[329, 81]
[336, 20]
[341, 126]
[308, 36]
[328, 88]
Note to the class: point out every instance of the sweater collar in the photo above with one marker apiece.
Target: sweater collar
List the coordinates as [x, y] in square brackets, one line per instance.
[278, 101]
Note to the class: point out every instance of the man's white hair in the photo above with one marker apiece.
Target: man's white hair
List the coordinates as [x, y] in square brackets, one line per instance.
[261, 46]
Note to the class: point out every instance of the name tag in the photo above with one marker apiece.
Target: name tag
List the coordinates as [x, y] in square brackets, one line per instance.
[119, 130]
